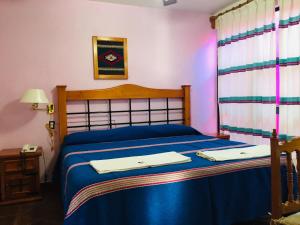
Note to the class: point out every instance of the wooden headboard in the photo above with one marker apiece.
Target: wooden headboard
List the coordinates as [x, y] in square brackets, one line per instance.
[122, 92]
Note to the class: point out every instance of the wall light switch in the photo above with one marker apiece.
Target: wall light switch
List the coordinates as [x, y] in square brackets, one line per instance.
[52, 124]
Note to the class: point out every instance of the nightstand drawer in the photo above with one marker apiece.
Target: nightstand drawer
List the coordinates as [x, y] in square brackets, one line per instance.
[11, 166]
[19, 186]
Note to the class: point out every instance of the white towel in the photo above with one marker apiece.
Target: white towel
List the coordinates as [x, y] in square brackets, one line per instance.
[138, 162]
[236, 153]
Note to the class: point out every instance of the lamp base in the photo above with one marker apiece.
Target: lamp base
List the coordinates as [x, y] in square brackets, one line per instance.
[35, 106]
[49, 109]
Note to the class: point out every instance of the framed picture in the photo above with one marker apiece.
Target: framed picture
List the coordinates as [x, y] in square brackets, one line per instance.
[110, 58]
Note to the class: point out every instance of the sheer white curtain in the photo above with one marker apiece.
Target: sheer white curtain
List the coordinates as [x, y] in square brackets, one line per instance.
[289, 47]
[247, 71]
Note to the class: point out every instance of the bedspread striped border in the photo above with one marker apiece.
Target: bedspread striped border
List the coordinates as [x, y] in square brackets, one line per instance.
[106, 187]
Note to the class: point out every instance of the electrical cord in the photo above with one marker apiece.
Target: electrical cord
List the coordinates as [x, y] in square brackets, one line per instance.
[45, 170]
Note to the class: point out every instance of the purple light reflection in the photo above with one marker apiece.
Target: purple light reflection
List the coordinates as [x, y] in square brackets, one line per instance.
[277, 70]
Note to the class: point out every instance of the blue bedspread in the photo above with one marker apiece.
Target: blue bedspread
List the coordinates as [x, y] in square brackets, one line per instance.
[200, 192]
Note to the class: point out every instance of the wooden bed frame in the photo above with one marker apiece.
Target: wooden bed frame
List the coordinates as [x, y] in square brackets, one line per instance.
[292, 205]
[122, 92]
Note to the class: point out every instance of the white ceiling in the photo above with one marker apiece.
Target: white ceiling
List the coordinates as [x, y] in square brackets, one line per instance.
[205, 6]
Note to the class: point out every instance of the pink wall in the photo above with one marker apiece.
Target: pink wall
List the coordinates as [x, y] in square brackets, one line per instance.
[45, 43]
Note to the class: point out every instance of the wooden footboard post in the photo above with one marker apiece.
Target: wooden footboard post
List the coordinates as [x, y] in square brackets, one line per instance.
[275, 177]
[62, 111]
[187, 104]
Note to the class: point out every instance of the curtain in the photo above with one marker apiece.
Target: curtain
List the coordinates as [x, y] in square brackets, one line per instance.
[247, 72]
[289, 53]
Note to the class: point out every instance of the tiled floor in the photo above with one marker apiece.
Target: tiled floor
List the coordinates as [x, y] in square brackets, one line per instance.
[49, 211]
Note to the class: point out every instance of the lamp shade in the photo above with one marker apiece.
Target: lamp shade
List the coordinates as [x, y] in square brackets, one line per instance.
[34, 96]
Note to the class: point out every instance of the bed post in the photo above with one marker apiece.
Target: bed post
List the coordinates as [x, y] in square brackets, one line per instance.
[62, 111]
[275, 177]
[187, 104]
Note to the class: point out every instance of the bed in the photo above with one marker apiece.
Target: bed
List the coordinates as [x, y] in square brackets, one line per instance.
[198, 192]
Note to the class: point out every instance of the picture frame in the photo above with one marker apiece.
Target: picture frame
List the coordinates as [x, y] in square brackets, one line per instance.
[110, 58]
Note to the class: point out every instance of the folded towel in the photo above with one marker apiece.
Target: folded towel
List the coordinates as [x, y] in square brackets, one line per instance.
[293, 219]
[138, 162]
[118, 164]
[236, 153]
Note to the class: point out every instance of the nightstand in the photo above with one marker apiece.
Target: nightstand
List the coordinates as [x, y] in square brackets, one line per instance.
[221, 136]
[19, 176]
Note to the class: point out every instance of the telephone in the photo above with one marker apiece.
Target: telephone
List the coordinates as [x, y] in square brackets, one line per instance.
[29, 148]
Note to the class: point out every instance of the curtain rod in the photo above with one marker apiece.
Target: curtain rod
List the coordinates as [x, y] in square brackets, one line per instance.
[213, 19]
